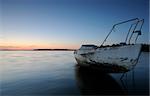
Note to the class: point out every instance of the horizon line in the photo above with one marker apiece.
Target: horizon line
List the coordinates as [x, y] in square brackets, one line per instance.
[39, 49]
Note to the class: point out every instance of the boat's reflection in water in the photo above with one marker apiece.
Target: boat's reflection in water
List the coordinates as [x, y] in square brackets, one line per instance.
[94, 82]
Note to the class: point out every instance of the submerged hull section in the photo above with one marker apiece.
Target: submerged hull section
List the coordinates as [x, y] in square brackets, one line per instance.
[110, 59]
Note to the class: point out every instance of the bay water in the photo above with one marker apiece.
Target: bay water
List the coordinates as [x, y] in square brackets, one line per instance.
[56, 73]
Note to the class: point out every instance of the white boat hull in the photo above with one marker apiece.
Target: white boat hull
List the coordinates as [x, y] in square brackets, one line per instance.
[115, 59]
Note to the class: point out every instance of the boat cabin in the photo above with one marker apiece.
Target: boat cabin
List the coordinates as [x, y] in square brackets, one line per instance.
[88, 47]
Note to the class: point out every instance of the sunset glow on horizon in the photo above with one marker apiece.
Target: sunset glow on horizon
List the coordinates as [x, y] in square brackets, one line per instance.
[66, 24]
[38, 46]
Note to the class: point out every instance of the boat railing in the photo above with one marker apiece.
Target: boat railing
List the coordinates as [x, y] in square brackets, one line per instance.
[135, 27]
[138, 31]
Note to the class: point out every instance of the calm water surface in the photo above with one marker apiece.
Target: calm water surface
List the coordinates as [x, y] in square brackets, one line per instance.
[56, 73]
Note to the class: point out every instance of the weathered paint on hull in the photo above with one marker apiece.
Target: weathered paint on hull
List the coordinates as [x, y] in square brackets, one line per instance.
[114, 59]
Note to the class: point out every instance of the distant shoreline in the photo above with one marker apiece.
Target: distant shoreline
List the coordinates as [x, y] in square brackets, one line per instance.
[53, 49]
[145, 48]
[38, 50]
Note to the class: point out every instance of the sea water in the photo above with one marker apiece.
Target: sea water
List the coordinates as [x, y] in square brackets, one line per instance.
[56, 73]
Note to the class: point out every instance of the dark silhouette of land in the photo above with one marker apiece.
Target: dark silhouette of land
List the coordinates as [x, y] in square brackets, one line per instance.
[145, 47]
[53, 49]
[37, 49]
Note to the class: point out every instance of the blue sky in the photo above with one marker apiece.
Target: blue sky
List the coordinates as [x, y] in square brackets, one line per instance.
[67, 23]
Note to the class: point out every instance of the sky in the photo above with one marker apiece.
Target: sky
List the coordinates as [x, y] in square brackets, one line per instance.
[31, 24]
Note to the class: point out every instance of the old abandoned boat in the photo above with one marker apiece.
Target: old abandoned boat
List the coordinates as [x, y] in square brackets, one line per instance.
[118, 58]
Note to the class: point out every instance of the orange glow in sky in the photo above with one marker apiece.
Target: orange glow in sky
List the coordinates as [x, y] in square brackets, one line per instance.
[27, 44]
[40, 46]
